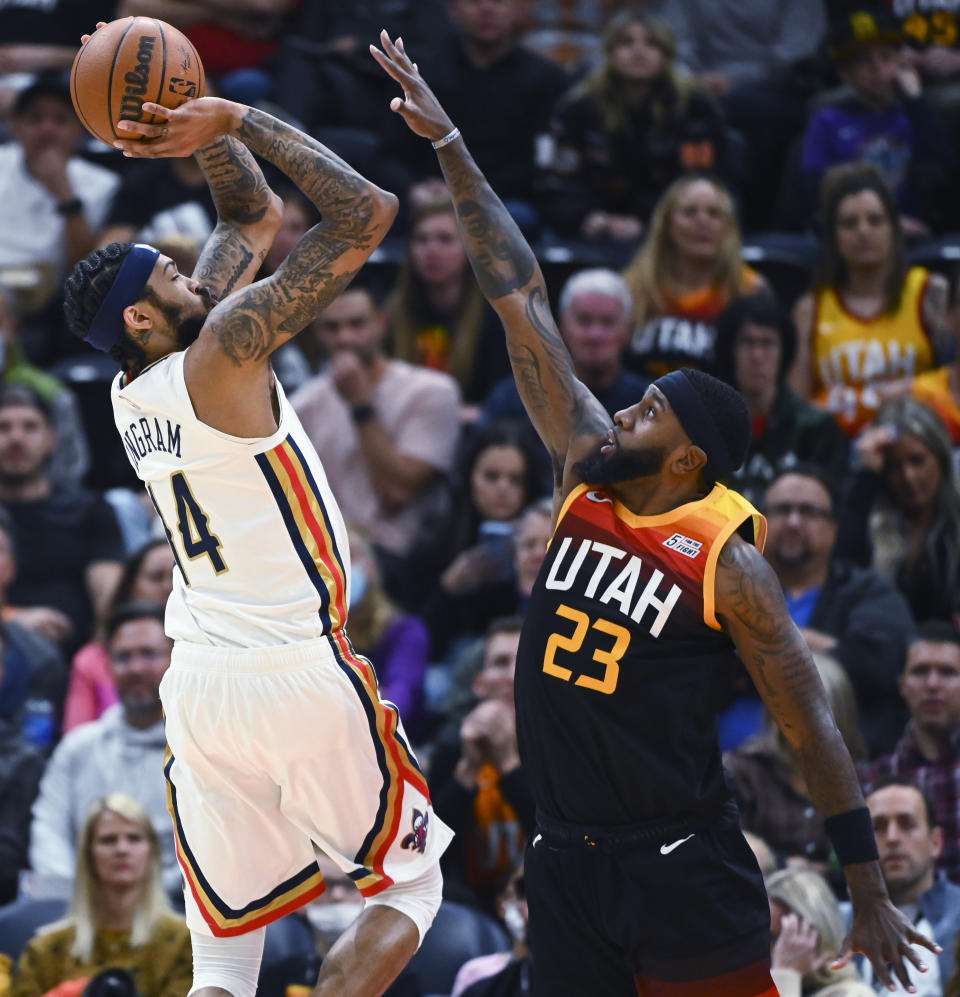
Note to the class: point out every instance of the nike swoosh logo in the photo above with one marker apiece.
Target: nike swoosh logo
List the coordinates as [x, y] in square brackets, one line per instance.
[595, 496]
[667, 849]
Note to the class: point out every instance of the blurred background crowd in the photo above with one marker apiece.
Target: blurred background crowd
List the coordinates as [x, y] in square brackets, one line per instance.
[760, 189]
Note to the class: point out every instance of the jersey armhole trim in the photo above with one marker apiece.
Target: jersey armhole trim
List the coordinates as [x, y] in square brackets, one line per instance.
[710, 568]
[565, 508]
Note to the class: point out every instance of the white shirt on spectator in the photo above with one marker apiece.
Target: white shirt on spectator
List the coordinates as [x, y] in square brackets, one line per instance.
[31, 231]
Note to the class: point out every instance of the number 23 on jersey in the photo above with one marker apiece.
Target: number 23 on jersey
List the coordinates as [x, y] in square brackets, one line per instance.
[609, 657]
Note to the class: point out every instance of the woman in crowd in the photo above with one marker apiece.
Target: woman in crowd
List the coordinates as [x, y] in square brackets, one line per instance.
[807, 931]
[625, 132]
[438, 317]
[119, 917]
[756, 343]
[687, 271]
[465, 567]
[770, 789]
[397, 643]
[901, 513]
[147, 577]
[870, 324]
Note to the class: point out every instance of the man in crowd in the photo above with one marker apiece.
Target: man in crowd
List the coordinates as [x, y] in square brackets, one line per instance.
[486, 798]
[52, 202]
[850, 613]
[73, 539]
[122, 751]
[33, 675]
[71, 456]
[385, 430]
[910, 841]
[595, 318]
[929, 751]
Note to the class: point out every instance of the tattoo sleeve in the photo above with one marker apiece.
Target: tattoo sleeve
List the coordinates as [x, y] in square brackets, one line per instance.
[750, 601]
[239, 190]
[355, 216]
[559, 405]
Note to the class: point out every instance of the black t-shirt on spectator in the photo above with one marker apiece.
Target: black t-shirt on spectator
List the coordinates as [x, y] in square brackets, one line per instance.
[500, 108]
[57, 538]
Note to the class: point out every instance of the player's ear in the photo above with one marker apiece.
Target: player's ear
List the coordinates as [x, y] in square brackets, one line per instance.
[691, 459]
[138, 315]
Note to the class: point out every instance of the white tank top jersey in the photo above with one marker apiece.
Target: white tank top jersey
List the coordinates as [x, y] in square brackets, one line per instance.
[261, 548]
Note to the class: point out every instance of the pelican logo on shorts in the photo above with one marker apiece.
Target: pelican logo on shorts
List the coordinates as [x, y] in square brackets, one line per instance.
[683, 545]
[417, 838]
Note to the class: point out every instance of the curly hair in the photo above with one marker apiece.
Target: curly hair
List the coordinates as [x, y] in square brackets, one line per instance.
[84, 291]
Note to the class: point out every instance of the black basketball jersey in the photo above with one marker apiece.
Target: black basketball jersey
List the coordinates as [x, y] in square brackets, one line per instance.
[622, 661]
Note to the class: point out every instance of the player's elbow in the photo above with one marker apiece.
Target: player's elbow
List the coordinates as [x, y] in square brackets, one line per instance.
[273, 218]
[385, 207]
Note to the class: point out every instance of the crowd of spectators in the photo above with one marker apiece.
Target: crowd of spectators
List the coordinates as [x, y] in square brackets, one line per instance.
[757, 189]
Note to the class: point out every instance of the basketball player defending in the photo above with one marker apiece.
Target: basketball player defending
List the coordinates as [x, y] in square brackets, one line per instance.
[278, 740]
[638, 878]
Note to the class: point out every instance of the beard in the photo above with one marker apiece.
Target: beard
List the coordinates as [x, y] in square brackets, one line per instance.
[188, 329]
[621, 465]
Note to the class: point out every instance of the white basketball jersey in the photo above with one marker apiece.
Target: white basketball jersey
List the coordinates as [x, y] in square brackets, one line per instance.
[260, 544]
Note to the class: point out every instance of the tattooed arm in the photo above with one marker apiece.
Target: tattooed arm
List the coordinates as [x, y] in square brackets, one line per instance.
[750, 603]
[566, 415]
[249, 215]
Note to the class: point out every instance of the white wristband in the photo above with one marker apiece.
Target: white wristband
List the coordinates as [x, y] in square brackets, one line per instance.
[447, 139]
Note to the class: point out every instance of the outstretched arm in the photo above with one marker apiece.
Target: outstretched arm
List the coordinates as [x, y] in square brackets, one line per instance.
[750, 602]
[561, 408]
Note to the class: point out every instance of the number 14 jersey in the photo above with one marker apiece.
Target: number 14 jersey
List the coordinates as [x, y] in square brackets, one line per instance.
[259, 541]
[623, 665]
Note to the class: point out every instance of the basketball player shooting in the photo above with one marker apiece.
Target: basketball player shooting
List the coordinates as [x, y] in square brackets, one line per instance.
[638, 878]
[278, 740]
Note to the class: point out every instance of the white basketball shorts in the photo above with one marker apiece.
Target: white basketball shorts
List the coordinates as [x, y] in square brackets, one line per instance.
[272, 751]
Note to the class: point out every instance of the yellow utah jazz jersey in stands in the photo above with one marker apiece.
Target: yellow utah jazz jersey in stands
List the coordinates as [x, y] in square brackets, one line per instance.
[234, 509]
[852, 355]
[623, 664]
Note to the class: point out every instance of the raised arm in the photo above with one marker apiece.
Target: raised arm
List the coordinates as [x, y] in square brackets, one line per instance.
[561, 408]
[750, 603]
[249, 216]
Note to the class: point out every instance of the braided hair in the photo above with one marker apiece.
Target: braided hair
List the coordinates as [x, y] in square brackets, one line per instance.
[84, 291]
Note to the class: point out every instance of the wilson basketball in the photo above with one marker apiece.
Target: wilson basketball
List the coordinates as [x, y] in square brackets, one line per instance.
[127, 62]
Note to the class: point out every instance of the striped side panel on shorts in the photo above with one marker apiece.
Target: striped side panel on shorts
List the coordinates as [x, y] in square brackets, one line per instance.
[397, 766]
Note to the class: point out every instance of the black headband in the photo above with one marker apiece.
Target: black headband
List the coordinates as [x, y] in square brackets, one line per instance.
[697, 422]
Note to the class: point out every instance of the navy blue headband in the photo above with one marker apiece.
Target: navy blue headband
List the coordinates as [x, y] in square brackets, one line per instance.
[696, 420]
[107, 325]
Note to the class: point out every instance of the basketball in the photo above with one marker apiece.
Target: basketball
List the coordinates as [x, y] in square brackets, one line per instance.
[127, 62]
